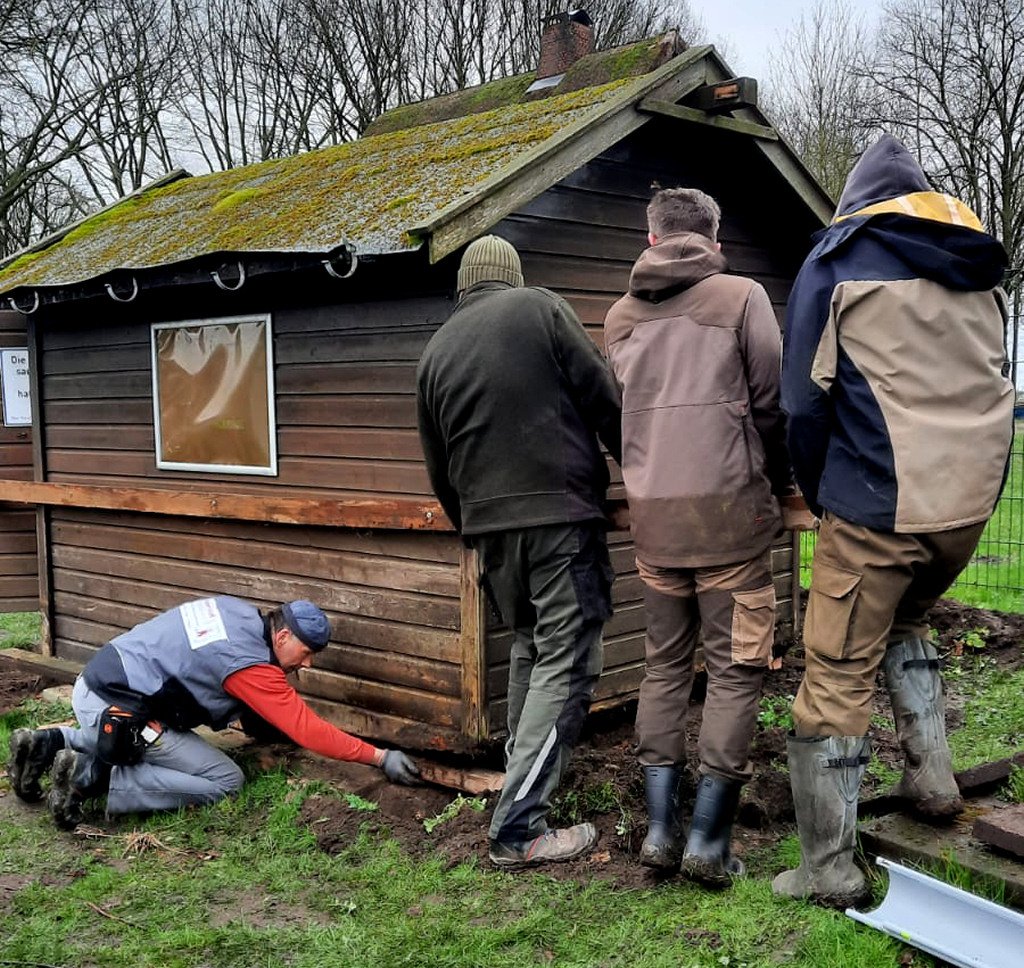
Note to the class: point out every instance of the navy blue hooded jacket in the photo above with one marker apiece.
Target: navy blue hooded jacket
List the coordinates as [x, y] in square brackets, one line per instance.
[894, 368]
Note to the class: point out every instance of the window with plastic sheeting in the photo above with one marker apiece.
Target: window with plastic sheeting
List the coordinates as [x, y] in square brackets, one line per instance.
[213, 395]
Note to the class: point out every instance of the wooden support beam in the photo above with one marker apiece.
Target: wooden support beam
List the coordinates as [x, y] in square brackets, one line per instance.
[44, 564]
[474, 781]
[472, 638]
[400, 514]
[669, 110]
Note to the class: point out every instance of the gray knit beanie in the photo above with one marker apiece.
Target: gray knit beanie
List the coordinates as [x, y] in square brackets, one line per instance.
[490, 259]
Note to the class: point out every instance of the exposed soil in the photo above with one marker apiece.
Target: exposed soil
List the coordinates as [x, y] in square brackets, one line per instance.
[604, 784]
[15, 688]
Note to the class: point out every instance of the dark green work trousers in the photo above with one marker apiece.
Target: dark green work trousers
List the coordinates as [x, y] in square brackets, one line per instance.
[552, 585]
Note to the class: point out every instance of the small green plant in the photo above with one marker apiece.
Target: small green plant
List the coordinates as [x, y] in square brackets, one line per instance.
[973, 639]
[776, 711]
[453, 810]
[356, 802]
[1014, 789]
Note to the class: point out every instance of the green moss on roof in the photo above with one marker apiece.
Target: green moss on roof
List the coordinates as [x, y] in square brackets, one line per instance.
[366, 193]
[602, 67]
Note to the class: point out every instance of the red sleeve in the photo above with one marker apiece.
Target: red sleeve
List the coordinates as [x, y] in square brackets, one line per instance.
[265, 690]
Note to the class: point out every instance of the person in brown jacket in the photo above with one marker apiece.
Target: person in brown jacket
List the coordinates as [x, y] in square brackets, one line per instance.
[697, 356]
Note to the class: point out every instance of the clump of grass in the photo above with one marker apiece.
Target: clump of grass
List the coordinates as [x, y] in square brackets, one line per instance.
[775, 711]
[1014, 789]
[450, 812]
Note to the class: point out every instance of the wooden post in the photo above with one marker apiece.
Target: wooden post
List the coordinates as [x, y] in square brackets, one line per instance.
[795, 579]
[473, 640]
[35, 362]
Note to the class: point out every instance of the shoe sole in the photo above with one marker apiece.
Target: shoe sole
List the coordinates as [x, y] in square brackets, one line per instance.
[62, 795]
[16, 767]
[704, 872]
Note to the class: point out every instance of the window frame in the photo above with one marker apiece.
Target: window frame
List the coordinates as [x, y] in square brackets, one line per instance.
[271, 469]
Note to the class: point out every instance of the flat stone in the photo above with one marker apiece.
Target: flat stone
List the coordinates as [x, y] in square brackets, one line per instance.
[1002, 828]
[57, 693]
[902, 837]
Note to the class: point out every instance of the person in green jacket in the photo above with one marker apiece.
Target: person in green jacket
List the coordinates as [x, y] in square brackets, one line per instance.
[513, 397]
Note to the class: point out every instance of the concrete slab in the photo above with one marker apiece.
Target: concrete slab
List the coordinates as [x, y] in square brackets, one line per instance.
[901, 837]
[1003, 828]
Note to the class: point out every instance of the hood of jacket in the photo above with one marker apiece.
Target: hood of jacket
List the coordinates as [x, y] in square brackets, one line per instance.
[926, 234]
[677, 262]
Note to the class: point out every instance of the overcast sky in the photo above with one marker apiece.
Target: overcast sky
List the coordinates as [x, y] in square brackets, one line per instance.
[745, 30]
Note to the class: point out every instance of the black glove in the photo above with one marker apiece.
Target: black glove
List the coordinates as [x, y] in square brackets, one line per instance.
[398, 768]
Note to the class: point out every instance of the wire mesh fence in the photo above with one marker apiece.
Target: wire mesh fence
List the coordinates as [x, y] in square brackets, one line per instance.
[994, 577]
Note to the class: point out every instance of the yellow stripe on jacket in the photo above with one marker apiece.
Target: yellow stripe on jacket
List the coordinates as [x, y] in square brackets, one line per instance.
[933, 206]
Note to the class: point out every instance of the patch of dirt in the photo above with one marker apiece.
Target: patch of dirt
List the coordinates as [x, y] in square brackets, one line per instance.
[604, 783]
[15, 688]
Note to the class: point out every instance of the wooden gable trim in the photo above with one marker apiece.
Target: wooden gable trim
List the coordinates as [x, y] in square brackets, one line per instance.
[779, 153]
[403, 514]
[669, 109]
[557, 157]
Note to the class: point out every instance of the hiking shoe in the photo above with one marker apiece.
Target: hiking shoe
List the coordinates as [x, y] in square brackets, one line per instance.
[551, 847]
[65, 801]
[32, 753]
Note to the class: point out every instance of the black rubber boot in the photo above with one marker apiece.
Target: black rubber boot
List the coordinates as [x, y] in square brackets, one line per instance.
[707, 858]
[32, 755]
[76, 777]
[663, 846]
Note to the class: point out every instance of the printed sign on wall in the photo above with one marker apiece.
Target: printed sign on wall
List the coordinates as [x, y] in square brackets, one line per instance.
[17, 398]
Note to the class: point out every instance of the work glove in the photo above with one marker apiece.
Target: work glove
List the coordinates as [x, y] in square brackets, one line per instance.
[398, 768]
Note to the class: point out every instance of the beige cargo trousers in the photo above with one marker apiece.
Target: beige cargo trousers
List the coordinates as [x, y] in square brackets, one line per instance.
[732, 608]
[869, 589]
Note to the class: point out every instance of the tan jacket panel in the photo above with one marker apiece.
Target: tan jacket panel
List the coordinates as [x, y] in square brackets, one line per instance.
[928, 355]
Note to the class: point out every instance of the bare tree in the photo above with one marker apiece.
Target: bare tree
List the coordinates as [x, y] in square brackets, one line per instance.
[820, 93]
[44, 103]
[952, 72]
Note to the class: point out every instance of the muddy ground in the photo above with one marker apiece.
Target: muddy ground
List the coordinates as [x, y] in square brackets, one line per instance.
[604, 784]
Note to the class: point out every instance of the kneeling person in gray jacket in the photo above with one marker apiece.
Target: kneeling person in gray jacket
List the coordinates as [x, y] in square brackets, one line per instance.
[138, 699]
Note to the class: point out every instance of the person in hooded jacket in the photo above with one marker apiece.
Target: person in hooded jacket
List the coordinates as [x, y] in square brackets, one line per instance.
[900, 416]
[139, 697]
[696, 354]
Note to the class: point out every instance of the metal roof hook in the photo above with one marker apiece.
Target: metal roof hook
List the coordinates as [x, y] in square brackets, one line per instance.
[25, 312]
[221, 284]
[122, 299]
[341, 264]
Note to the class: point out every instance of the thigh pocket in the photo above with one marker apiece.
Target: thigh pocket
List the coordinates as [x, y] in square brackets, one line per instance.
[592, 575]
[830, 607]
[753, 626]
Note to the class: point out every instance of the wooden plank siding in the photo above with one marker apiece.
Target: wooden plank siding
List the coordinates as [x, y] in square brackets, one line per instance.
[393, 599]
[345, 401]
[581, 238]
[19, 575]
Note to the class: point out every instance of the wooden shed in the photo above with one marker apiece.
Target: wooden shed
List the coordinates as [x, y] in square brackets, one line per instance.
[223, 367]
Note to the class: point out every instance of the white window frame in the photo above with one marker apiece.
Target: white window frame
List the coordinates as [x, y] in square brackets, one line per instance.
[271, 469]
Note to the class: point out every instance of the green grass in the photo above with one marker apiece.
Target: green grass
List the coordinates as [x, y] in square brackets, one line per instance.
[993, 726]
[242, 884]
[19, 630]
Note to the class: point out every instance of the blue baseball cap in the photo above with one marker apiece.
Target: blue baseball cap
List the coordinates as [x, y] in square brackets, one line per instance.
[307, 623]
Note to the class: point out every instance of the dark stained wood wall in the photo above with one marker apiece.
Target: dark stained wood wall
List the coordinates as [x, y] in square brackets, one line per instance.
[345, 381]
[581, 238]
[19, 583]
[345, 387]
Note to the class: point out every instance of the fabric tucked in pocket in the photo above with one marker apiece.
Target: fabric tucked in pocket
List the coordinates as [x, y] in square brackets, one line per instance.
[830, 607]
[753, 626]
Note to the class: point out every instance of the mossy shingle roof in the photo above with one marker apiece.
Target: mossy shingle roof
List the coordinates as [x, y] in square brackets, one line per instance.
[364, 193]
